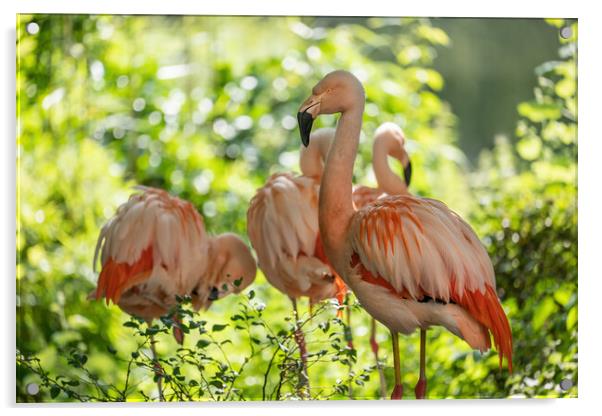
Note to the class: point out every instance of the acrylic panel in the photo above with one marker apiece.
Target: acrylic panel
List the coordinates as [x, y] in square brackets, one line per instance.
[177, 240]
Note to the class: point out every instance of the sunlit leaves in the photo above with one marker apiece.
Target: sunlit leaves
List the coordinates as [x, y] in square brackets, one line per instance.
[529, 147]
[538, 112]
[545, 308]
[571, 319]
[434, 35]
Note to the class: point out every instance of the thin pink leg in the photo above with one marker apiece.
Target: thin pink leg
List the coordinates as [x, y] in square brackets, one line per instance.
[349, 338]
[348, 333]
[398, 389]
[300, 340]
[420, 388]
[379, 367]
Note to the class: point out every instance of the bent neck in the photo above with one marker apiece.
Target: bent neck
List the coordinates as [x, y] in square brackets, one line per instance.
[387, 180]
[336, 206]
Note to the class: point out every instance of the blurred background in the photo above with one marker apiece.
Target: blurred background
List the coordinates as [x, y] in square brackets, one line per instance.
[205, 108]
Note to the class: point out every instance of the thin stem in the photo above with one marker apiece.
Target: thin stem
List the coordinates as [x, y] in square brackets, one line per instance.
[157, 368]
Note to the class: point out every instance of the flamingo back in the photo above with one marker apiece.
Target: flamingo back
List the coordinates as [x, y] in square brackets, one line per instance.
[363, 195]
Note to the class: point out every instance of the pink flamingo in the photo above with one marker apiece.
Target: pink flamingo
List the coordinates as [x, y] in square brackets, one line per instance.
[282, 223]
[411, 262]
[155, 248]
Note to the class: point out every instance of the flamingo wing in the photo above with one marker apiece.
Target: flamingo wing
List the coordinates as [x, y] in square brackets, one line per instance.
[152, 237]
[419, 249]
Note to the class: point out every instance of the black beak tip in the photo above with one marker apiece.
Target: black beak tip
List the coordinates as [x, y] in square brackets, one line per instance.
[407, 173]
[305, 122]
[305, 140]
[213, 294]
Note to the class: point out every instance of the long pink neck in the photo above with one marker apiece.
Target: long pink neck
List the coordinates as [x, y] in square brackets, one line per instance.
[336, 207]
[387, 180]
[312, 158]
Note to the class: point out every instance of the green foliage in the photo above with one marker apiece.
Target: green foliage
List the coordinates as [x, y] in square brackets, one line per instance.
[530, 228]
[106, 102]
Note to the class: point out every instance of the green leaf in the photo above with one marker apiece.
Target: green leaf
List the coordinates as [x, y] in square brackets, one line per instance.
[434, 35]
[529, 148]
[538, 112]
[217, 383]
[566, 88]
[546, 308]
[202, 343]
[218, 327]
[54, 391]
[571, 318]
[564, 293]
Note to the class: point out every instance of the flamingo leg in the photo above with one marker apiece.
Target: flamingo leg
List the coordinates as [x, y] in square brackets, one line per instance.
[157, 368]
[349, 339]
[348, 333]
[398, 389]
[300, 340]
[379, 367]
[420, 388]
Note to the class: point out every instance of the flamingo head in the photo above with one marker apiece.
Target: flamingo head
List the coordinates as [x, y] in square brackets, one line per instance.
[234, 270]
[337, 92]
[391, 136]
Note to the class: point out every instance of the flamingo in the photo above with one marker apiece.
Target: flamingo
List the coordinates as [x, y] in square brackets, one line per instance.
[155, 248]
[389, 140]
[411, 262]
[282, 224]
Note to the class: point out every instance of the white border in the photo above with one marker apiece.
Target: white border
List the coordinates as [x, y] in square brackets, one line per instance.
[590, 176]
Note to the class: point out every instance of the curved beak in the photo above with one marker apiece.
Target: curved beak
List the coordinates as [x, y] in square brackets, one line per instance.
[403, 157]
[407, 172]
[305, 117]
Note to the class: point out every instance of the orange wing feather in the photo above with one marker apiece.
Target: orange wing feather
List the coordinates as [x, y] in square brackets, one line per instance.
[115, 278]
